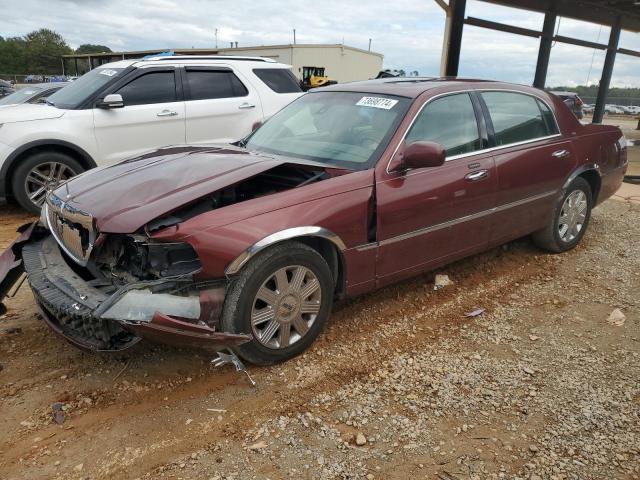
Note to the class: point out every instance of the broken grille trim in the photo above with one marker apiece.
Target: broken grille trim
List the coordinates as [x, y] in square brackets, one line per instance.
[58, 215]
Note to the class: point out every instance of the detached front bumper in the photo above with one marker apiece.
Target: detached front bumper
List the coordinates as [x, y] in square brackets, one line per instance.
[93, 320]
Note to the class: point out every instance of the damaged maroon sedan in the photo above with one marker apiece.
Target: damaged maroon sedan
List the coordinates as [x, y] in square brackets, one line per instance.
[347, 189]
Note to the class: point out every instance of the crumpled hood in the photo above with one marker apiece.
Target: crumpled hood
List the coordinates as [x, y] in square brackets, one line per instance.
[126, 196]
[28, 112]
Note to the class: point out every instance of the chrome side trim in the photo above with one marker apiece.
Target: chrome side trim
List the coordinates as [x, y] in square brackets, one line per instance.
[466, 218]
[485, 150]
[289, 233]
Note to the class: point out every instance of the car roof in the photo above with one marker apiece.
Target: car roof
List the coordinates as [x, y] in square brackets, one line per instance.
[161, 59]
[44, 86]
[412, 87]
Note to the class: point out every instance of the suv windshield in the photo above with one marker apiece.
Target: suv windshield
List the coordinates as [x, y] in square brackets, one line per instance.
[77, 92]
[337, 128]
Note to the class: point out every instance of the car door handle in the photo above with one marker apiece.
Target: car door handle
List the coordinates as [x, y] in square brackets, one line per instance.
[167, 113]
[477, 175]
[246, 105]
[561, 153]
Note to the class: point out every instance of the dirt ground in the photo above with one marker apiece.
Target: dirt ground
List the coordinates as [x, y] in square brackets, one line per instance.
[401, 384]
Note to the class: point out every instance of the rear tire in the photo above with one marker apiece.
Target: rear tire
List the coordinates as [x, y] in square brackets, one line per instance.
[569, 219]
[282, 298]
[39, 173]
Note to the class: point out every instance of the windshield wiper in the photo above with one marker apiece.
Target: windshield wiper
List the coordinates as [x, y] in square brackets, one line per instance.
[49, 102]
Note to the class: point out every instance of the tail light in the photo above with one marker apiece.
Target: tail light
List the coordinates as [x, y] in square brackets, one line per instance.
[579, 101]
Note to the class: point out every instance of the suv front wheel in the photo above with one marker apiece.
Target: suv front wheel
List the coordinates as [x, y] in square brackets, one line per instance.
[40, 173]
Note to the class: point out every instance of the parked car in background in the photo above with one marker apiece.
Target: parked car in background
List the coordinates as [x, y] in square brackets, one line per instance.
[36, 93]
[132, 106]
[633, 110]
[349, 188]
[588, 108]
[613, 109]
[573, 101]
[5, 88]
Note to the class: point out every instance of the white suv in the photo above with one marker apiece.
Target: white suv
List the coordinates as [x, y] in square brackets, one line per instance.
[125, 108]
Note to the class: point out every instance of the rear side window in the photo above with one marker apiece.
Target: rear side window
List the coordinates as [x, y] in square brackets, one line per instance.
[211, 84]
[517, 117]
[152, 87]
[280, 80]
[449, 121]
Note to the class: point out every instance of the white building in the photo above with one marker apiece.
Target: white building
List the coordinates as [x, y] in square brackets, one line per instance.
[341, 62]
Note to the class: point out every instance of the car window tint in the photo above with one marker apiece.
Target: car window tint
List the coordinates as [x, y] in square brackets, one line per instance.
[153, 87]
[549, 119]
[449, 121]
[280, 80]
[516, 117]
[208, 84]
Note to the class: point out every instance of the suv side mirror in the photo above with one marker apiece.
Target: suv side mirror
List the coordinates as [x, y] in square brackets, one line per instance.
[113, 100]
[420, 155]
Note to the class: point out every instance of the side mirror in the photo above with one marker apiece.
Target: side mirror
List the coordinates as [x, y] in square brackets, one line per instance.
[419, 155]
[113, 100]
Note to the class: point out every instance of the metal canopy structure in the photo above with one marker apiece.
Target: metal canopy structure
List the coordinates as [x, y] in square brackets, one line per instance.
[617, 14]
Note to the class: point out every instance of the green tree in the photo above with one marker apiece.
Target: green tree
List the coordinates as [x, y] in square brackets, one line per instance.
[12, 55]
[44, 49]
[90, 48]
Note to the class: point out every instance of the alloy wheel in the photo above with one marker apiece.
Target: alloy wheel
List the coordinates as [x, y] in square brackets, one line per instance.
[45, 177]
[572, 216]
[286, 306]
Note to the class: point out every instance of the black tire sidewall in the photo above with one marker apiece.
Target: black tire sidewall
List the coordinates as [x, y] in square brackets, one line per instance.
[237, 317]
[577, 184]
[21, 172]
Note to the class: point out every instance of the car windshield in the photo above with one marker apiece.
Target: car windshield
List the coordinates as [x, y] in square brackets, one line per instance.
[344, 129]
[20, 96]
[78, 91]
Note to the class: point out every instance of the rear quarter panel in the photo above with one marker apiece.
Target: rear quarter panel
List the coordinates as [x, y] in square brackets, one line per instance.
[600, 145]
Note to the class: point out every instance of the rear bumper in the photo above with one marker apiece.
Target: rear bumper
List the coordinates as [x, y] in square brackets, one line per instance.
[79, 312]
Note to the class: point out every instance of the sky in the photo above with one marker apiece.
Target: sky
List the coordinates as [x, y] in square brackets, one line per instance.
[408, 32]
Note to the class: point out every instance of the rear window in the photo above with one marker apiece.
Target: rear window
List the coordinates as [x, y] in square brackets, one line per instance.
[210, 84]
[280, 80]
[517, 117]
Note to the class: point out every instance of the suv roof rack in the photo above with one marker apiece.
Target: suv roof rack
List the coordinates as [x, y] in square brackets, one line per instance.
[210, 57]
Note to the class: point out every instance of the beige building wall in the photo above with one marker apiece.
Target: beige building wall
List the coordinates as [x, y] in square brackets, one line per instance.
[342, 63]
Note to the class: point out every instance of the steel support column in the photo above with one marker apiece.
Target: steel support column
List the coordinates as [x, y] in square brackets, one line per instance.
[607, 70]
[454, 41]
[544, 52]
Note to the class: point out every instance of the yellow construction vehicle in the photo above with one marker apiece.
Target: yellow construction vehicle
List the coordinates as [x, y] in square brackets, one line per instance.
[313, 77]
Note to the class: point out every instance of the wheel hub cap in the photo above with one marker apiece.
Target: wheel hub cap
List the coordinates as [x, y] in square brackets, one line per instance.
[572, 216]
[285, 307]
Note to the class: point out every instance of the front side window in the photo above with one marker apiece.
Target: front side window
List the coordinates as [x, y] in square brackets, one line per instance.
[449, 121]
[280, 80]
[344, 129]
[517, 117]
[150, 88]
[211, 84]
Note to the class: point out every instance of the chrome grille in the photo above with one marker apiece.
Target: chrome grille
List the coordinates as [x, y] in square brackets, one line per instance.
[73, 229]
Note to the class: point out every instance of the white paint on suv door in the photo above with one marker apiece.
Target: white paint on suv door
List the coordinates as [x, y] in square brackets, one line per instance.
[153, 116]
[220, 106]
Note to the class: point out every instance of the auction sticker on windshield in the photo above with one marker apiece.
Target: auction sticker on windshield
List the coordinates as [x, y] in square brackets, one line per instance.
[377, 102]
[109, 73]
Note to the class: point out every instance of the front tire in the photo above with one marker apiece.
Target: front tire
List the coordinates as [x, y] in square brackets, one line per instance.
[40, 173]
[569, 219]
[282, 298]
